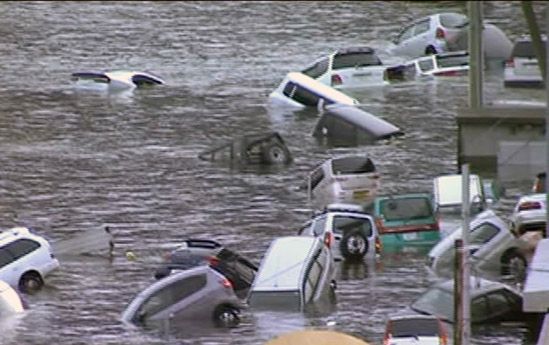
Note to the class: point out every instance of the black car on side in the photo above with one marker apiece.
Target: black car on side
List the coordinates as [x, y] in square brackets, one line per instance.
[195, 252]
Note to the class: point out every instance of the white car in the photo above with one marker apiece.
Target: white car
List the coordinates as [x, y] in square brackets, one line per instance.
[436, 65]
[429, 35]
[25, 259]
[493, 249]
[415, 330]
[344, 179]
[298, 90]
[115, 80]
[348, 68]
[529, 214]
[522, 69]
[10, 301]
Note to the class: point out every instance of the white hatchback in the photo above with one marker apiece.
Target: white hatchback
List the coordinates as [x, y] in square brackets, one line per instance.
[353, 67]
[25, 259]
[430, 35]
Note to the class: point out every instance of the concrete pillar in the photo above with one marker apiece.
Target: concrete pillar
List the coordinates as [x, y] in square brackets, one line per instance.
[476, 56]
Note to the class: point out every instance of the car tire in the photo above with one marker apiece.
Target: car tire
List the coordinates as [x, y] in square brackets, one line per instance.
[430, 50]
[354, 245]
[226, 316]
[514, 264]
[275, 153]
[30, 282]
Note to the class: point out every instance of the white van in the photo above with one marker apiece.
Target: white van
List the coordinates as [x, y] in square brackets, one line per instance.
[295, 271]
[299, 90]
[350, 179]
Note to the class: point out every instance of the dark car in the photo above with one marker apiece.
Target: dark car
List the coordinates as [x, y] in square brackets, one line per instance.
[195, 252]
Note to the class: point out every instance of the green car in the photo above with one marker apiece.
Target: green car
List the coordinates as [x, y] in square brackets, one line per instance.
[407, 219]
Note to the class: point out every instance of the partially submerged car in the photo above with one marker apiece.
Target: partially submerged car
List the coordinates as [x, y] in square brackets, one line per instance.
[415, 329]
[343, 179]
[298, 90]
[529, 214]
[347, 68]
[195, 252]
[451, 64]
[116, 80]
[294, 273]
[199, 293]
[522, 68]
[347, 229]
[491, 302]
[261, 148]
[493, 249]
[25, 259]
[10, 301]
[406, 219]
[429, 35]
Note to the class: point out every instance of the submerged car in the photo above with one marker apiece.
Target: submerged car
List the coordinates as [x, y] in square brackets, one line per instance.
[195, 252]
[429, 35]
[353, 67]
[10, 301]
[199, 293]
[451, 64]
[25, 259]
[406, 219]
[529, 214]
[344, 179]
[491, 302]
[347, 229]
[522, 68]
[415, 330]
[493, 249]
[116, 80]
[298, 90]
[294, 273]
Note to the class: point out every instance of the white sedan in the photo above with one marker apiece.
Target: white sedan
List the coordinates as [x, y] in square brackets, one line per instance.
[117, 80]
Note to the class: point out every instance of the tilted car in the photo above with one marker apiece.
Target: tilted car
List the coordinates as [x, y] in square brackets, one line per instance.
[352, 67]
[199, 293]
[348, 230]
[493, 249]
[115, 80]
[25, 259]
[415, 330]
[429, 35]
[194, 252]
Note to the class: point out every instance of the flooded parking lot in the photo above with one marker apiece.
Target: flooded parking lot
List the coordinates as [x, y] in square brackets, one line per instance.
[74, 161]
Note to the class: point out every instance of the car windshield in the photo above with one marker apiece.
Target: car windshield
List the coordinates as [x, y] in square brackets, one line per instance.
[414, 327]
[525, 49]
[453, 20]
[317, 69]
[346, 224]
[350, 60]
[352, 165]
[426, 65]
[453, 61]
[408, 208]
[436, 301]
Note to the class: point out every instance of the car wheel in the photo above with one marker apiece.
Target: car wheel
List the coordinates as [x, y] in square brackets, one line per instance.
[354, 245]
[275, 154]
[514, 264]
[30, 282]
[226, 316]
[430, 50]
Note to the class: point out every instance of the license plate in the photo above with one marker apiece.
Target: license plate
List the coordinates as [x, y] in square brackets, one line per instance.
[410, 236]
[361, 194]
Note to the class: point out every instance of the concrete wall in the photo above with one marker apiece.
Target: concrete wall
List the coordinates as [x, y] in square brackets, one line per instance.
[520, 160]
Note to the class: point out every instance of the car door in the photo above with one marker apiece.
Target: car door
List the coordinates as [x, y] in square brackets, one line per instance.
[421, 37]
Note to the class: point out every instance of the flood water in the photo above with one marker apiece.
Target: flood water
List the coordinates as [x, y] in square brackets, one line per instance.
[74, 161]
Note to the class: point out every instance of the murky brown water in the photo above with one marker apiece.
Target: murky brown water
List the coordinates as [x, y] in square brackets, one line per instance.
[74, 161]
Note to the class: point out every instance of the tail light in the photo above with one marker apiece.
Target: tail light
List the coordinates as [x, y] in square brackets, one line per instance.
[226, 283]
[213, 261]
[443, 340]
[529, 205]
[510, 63]
[379, 246]
[328, 239]
[336, 80]
[440, 33]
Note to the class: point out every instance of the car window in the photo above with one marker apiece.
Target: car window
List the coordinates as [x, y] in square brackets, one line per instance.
[483, 233]
[525, 49]
[317, 69]
[289, 89]
[479, 309]
[421, 27]
[407, 208]
[305, 97]
[453, 20]
[169, 295]
[414, 327]
[358, 59]
[345, 224]
[22, 247]
[318, 225]
[426, 65]
[498, 304]
[452, 61]
[5, 257]
[405, 34]
[436, 302]
[313, 275]
[352, 165]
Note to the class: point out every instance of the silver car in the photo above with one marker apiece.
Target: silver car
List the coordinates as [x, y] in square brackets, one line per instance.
[199, 293]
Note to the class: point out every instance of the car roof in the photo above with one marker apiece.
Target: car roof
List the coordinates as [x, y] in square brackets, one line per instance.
[478, 286]
[321, 89]
[281, 268]
[353, 50]
[18, 232]
[202, 269]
